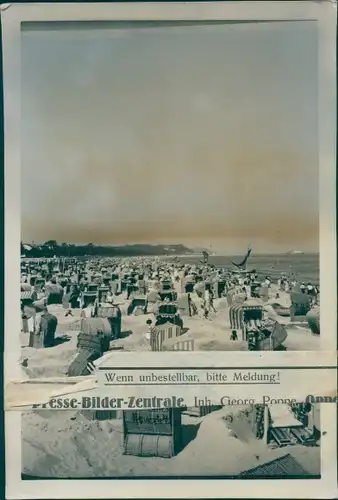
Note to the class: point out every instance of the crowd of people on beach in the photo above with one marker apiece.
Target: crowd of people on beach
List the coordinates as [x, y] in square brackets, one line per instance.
[169, 289]
[202, 283]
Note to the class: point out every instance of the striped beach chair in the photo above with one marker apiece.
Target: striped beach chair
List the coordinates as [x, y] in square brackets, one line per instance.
[176, 344]
[27, 297]
[236, 316]
[243, 315]
[161, 333]
[184, 345]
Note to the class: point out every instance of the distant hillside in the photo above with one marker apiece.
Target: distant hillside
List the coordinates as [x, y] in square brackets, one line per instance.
[51, 248]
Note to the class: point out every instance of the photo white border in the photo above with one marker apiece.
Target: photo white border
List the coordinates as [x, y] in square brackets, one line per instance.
[323, 12]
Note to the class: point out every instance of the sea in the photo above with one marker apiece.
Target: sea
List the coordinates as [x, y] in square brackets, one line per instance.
[304, 267]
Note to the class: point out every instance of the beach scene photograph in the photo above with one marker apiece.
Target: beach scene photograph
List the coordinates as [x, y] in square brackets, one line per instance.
[169, 202]
[169, 190]
[245, 441]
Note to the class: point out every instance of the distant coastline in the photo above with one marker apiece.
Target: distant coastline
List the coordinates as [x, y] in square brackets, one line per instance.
[52, 248]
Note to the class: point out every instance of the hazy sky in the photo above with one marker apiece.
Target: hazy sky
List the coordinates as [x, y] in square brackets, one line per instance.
[202, 135]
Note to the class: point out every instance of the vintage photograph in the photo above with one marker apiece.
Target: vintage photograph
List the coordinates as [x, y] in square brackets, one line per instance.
[170, 196]
[239, 442]
[169, 177]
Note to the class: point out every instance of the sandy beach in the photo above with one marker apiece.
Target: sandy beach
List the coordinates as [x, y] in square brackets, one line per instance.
[65, 444]
[209, 335]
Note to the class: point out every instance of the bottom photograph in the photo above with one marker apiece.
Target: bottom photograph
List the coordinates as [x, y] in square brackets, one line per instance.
[207, 442]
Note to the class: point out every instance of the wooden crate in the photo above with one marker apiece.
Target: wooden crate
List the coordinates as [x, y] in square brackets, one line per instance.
[152, 433]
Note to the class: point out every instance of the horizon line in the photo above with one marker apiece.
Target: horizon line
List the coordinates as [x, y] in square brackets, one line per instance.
[196, 249]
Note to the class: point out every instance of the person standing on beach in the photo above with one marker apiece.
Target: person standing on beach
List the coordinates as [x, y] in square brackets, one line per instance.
[211, 301]
[141, 284]
[267, 281]
[205, 309]
[130, 287]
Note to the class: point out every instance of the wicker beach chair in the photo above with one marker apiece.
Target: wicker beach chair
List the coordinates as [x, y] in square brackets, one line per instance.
[161, 333]
[241, 314]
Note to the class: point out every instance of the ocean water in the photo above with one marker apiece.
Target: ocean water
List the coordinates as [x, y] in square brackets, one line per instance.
[305, 267]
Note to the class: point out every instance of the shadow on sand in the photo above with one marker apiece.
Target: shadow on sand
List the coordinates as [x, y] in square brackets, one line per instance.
[281, 348]
[188, 434]
[61, 340]
[125, 334]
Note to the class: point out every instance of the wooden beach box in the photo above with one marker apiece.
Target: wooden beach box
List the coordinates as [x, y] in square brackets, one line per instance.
[152, 433]
[95, 335]
[103, 292]
[137, 304]
[114, 316]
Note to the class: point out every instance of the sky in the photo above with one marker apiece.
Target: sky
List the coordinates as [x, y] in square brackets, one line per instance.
[200, 135]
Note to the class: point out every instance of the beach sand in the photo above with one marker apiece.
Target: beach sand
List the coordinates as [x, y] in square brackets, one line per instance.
[209, 334]
[64, 444]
